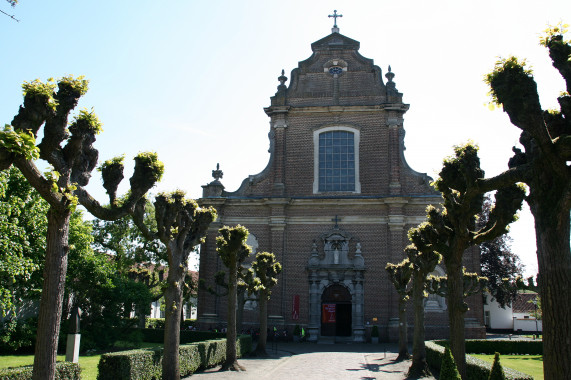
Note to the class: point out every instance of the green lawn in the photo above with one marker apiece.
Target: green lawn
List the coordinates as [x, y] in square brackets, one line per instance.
[530, 364]
[88, 364]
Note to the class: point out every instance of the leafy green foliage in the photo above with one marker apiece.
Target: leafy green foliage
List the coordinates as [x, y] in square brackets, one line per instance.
[104, 293]
[39, 89]
[552, 32]
[516, 69]
[21, 143]
[266, 270]
[231, 245]
[17, 335]
[69, 83]
[86, 122]
[400, 275]
[22, 239]
[147, 165]
[126, 245]
[498, 263]
[448, 370]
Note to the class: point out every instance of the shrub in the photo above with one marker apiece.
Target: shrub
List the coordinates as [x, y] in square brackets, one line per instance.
[297, 330]
[64, 371]
[147, 364]
[497, 372]
[476, 369]
[448, 370]
[155, 323]
[18, 335]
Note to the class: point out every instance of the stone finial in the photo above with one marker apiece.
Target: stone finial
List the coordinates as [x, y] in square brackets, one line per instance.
[390, 75]
[214, 188]
[282, 78]
[217, 174]
[391, 86]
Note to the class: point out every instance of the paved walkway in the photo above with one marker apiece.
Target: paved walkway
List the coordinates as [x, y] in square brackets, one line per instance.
[298, 361]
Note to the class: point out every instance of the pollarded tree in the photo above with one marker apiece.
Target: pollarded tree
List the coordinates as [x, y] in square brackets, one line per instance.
[264, 275]
[400, 275]
[181, 226]
[241, 290]
[456, 229]
[424, 259]
[232, 248]
[72, 164]
[544, 166]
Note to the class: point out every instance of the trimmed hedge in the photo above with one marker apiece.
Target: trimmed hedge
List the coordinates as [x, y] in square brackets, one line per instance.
[476, 369]
[504, 347]
[147, 364]
[64, 371]
[158, 335]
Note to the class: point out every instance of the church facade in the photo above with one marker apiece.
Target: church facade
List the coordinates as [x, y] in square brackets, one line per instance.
[334, 203]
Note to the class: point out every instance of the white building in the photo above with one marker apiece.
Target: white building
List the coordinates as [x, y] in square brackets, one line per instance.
[517, 317]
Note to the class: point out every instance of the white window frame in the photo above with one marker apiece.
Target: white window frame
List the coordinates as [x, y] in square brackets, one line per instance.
[356, 140]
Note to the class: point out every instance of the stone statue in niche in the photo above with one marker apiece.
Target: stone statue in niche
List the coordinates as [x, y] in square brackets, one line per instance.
[336, 248]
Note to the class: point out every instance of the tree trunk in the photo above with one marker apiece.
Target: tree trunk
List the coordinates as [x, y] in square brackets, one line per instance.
[231, 362]
[173, 305]
[50, 311]
[403, 334]
[263, 304]
[419, 366]
[241, 301]
[456, 310]
[554, 259]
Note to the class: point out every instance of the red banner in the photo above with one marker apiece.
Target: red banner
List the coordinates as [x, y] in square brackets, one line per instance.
[328, 313]
[295, 308]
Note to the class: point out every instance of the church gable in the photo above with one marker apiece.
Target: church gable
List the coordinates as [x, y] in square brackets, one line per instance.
[336, 73]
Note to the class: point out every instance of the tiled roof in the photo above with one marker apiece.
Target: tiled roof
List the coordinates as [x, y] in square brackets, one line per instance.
[522, 304]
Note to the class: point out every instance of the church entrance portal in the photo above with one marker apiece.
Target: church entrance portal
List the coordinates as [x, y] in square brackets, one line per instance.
[336, 318]
[335, 273]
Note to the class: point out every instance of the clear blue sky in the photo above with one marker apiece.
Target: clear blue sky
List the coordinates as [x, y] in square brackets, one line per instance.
[189, 79]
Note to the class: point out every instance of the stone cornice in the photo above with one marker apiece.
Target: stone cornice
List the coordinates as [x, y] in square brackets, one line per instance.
[362, 108]
[281, 222]
[323, 201]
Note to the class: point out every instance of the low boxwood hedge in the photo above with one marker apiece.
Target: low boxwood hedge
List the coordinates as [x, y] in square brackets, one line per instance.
[504, 347]
[147, 364]
[64, 371]
[476, 369]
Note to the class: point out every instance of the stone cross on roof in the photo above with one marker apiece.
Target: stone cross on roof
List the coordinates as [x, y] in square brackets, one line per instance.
[335, 29]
